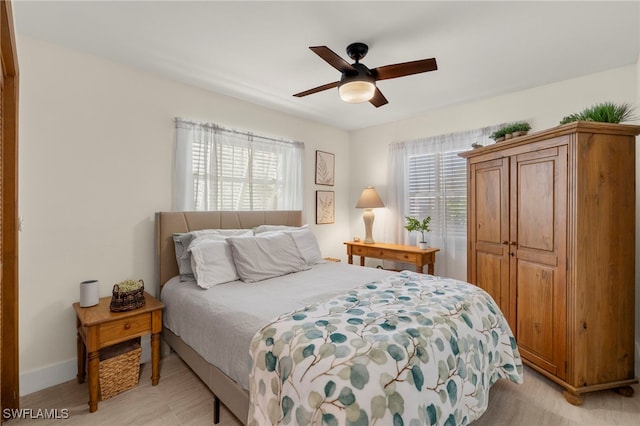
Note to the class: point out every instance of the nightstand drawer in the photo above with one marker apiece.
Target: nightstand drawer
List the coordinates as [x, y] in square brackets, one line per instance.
[121, 330]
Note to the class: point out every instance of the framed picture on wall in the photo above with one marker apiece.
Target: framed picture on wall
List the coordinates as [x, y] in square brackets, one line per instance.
[325, 207]
[325, 168]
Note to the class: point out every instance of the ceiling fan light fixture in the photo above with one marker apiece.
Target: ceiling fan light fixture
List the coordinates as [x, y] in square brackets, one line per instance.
[357, 91]
[358, 86]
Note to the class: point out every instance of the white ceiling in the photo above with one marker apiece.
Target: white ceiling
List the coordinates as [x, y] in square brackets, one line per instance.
[258, 51]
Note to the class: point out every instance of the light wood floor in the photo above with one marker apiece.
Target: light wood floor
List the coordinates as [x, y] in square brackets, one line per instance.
[181, 399]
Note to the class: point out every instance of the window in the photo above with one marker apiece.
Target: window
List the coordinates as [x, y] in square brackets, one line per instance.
[438, 188]
[221, 169]
[426, 177]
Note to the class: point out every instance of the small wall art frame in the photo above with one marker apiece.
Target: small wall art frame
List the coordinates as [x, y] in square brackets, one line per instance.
[325, 168]
[325, 207]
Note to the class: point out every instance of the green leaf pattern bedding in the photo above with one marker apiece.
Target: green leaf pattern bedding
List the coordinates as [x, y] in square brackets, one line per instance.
[411, 349]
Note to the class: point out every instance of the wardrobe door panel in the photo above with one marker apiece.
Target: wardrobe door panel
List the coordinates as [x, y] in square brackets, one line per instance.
[536, 211]
[489, 274]
[535, 308]
[489, 230]
[538, 254]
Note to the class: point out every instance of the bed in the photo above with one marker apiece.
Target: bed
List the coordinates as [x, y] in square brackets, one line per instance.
[296, 358]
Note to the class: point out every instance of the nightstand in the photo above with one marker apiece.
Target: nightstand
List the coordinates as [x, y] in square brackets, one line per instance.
[98, 328]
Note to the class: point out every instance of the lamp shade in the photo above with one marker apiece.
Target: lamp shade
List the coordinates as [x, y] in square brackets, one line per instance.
[369, 199]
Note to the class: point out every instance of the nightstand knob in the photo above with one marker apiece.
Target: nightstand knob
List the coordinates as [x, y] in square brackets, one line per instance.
[127, 326]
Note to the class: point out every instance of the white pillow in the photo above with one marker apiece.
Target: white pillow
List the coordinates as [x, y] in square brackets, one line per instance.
[304, 238]
[307, 245]
[265, 256]
[212, 262]
[270, 228]
[182, 242]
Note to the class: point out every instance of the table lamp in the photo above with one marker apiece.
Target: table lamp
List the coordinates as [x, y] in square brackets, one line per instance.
[369, 199]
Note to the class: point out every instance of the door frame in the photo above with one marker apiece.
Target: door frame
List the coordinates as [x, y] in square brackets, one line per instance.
[9, 222]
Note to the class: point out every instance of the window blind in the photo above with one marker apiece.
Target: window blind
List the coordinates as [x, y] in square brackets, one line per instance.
[437, 188]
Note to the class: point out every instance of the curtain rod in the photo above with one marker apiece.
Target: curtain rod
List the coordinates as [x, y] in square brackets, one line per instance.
[234, 131]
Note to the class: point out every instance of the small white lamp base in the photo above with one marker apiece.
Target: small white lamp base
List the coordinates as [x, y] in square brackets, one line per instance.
[368, 217]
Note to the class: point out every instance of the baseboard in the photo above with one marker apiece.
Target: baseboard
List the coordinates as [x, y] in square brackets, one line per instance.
[52, 375]
[35, 380]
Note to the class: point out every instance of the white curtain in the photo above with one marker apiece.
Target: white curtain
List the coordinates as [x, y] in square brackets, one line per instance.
[223, 169]
[451, 261]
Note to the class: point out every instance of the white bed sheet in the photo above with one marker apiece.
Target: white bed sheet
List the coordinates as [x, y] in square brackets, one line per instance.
[220, 322]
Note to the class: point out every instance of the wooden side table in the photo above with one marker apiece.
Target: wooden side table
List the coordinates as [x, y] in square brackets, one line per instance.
[396, 252]
[98, 328]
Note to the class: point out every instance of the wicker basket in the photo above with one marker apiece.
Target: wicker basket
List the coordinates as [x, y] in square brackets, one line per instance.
[127, 300]
[119, 368]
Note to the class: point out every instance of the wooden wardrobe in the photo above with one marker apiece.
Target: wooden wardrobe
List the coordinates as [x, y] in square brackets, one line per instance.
[551, 236]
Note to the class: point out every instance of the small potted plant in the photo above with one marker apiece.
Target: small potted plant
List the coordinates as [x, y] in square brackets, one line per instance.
[414, 224]
[498, 135]
[520, 128]
[605, 112]
[511, 130]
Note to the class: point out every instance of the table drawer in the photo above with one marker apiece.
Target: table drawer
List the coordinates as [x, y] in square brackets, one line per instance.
[382, 253]
[407, 257]
[359, 250]
[124, 329]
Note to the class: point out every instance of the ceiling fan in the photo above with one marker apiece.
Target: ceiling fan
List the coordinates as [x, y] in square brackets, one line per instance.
[358, 83]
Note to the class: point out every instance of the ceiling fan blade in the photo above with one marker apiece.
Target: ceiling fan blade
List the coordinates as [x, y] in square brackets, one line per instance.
[378, 99]
[332, 58]
[317, 89]
[406, 68]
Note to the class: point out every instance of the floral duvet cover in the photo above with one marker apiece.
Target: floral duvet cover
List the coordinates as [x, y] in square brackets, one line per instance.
[411, 349]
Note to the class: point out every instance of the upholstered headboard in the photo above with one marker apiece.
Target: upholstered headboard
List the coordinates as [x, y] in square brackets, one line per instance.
[168, 223]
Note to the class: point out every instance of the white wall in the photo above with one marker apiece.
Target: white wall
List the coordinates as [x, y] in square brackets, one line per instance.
[543, 107]
[96, 144]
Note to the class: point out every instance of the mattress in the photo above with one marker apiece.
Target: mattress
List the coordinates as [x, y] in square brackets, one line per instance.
[219, 323]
